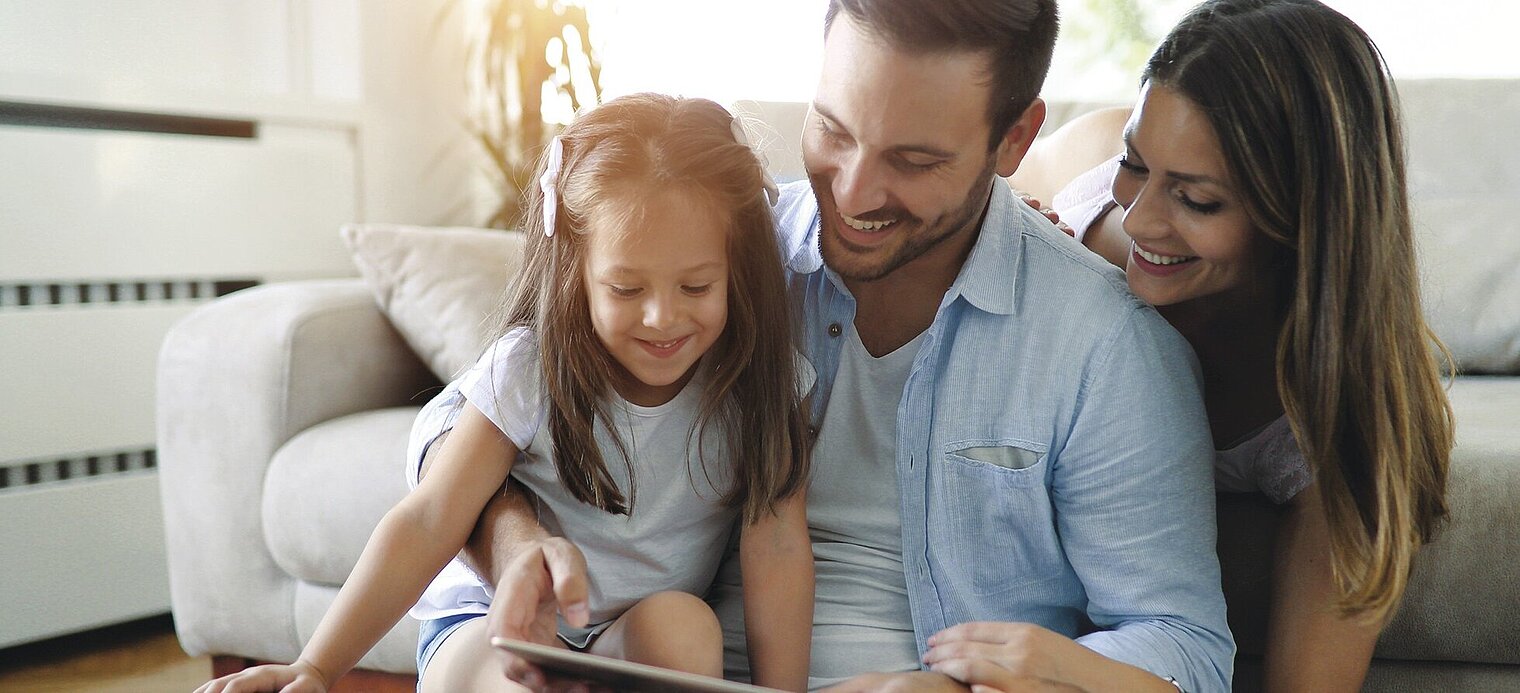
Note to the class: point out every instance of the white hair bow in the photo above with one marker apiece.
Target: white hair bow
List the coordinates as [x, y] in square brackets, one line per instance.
[549, 183]
[772, 193]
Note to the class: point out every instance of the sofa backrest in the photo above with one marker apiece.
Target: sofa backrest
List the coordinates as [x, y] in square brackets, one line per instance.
[1464, 183]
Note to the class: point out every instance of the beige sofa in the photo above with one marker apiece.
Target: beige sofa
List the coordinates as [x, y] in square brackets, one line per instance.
[283, 412]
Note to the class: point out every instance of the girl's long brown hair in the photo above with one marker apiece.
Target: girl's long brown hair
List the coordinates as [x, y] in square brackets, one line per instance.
[1307, 116]
[616, 157]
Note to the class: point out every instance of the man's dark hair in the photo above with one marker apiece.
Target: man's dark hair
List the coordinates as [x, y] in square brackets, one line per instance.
[1018, 35]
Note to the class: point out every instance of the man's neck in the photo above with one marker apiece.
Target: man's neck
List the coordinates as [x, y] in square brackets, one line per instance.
[894, 309]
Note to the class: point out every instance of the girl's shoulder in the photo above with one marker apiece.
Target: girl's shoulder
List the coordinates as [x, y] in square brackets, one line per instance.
[516, 345]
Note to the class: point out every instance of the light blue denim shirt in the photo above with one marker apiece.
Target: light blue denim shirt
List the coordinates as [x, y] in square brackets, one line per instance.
[1052, 449]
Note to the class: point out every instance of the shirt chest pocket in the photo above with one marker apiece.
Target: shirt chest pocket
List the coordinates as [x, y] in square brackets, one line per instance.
[991, 523]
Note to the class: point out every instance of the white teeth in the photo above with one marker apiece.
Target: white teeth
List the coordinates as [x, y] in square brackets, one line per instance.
[859, 225]
[1162, 259]
[662, 345]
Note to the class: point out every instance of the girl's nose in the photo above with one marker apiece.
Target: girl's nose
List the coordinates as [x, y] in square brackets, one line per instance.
[660, 312]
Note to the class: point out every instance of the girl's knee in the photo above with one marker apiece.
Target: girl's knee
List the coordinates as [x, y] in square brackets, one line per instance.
[674, 630]
[680, 612]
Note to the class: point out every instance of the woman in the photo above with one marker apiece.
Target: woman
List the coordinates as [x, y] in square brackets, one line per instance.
[1260, 204]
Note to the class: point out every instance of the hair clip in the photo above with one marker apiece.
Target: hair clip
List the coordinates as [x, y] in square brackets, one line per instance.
[549, 182]
[772, 193]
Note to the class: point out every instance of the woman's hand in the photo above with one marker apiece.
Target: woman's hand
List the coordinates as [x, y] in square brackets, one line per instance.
[299, 677]
[1048, 212]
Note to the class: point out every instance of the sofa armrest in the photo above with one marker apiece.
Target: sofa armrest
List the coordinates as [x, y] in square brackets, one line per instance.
[237, 378]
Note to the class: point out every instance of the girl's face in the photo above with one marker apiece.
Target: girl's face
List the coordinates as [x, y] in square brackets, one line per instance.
[1190, 234]
[658, 292]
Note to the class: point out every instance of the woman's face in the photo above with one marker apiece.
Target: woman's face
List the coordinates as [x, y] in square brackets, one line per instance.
[1190, 237]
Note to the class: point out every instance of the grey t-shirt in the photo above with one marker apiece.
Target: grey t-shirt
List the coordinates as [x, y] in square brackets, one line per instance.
[861, 621]
[675, 535]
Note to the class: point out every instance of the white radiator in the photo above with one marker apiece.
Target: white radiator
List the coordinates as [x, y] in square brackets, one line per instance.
[115, 222]
[106, 239]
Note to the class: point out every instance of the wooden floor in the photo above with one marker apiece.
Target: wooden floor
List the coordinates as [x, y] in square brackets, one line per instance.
[142, 656]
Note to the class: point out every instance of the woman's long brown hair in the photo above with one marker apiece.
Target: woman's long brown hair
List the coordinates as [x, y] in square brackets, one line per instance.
[1307, 117]
[616, 157]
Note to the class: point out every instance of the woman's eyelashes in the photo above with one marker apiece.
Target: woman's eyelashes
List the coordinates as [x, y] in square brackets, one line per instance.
[1131, 167]
[1196, 206]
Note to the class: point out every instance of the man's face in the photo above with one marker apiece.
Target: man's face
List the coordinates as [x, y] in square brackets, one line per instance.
[895, 146]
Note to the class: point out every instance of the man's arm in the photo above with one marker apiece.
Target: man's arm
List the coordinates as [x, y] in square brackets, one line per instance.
[1134, 496]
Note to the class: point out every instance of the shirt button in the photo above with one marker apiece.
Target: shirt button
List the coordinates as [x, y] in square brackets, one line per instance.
[834, 330]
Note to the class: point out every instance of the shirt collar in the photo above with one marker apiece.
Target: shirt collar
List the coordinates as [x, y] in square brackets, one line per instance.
[990, 276]
[987, 280]
[797, 219]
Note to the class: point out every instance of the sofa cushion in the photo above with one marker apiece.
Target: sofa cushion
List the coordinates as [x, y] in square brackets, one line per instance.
[1466, 214]
[438, 286]
[329, 486]
[1461, 604]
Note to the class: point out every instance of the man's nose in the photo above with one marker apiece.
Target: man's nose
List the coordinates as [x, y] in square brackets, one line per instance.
[859, 186]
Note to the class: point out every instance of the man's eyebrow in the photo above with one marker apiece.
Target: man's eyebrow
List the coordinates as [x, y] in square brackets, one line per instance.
[902, 149]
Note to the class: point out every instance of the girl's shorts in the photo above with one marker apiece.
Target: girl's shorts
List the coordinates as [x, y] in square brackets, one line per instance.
[433, 632]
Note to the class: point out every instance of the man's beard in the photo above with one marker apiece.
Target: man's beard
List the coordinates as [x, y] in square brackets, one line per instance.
[919, 237]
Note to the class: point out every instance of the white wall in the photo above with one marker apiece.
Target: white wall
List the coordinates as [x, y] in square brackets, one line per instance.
[358, 105]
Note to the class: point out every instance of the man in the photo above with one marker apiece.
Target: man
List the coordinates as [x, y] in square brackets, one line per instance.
[1003, 432]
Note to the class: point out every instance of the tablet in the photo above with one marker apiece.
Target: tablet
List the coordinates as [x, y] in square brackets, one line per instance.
[616, 673]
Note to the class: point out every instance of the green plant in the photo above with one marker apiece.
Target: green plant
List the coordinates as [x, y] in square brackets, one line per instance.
[516, 52]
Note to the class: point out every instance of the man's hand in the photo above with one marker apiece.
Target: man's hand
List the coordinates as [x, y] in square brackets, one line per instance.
[1007, 657]
[544, 578]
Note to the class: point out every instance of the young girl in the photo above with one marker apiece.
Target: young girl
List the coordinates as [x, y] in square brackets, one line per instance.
[647, 392]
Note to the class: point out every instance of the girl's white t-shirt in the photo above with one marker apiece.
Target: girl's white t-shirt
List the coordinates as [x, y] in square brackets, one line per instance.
[676, 532]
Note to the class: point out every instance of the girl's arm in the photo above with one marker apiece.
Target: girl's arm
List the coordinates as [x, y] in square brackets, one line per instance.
[776, 559]
[412, 543]
[1310, 646]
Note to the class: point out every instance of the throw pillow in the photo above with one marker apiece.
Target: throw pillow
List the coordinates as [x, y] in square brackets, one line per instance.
[438, 286]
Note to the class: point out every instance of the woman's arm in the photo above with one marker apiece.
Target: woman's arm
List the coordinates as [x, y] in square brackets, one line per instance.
[1058, 158]
[776, 559]
[1310, 645]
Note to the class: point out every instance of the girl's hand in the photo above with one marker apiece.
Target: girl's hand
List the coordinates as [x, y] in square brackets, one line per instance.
[1048, 212]
[299, 677]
